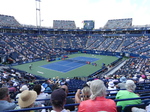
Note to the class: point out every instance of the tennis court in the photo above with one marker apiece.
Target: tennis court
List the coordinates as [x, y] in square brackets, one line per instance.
[67, 68]
[69, 64]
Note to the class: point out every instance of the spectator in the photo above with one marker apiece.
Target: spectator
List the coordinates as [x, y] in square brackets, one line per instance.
[4, 83]
[122, 84]
[48, 86]
[128, 93]
[135, 109]
[135, 77]
[12, 88]
[40, 93]
[142, 78]
[5, 101]
[62, 82]
[58, 99]
[68, 100]
[27, 100]
[12, 91]
[24, 87]
[67, 79]
[111, 87]
[83, 94]
[45, 84]
[97, 101]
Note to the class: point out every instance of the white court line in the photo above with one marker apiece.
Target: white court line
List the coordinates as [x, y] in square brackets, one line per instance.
[50, 69]
[40, 72]
[71, 68]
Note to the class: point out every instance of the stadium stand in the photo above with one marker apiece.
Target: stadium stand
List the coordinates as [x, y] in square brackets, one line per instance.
[76, 83]
[66, 43]
[6, 20]
[96, 44]
[105, 45]
[75, 42]
[91, 41]
[118, 23]
[64, 24]
[26, 45]
[114, 47]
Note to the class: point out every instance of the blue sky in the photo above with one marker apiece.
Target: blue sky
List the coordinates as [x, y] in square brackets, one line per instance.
[78, 10]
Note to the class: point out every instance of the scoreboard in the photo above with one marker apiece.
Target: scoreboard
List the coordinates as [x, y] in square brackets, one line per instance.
[88, 24]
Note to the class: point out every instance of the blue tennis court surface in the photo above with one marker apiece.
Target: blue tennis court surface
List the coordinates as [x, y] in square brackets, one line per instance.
[68, 65]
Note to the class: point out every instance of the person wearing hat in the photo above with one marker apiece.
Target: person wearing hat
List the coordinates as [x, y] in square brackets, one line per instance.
[111, 87]
[27, 100]
[58, 100]
[5, 101]
[24, 87]
[97, 101]
[121, 85]
[128, 93]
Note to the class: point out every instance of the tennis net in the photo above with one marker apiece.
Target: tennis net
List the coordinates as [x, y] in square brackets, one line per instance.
[77, 61]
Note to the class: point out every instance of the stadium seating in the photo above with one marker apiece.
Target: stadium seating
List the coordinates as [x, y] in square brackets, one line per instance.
[75, 43]
[28, 48]
[91, 41]
[63, 24]
[104, 46]
[114, 47]
[118, 23]
[6, 20]
[66, 43]
[77, 83]
[99, 40]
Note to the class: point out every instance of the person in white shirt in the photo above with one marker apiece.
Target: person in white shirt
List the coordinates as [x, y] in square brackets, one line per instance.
[142, 78]
[40, 93]
[111, 86]
[24, 87]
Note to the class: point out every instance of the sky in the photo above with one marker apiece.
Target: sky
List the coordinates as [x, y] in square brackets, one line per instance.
[100, 11]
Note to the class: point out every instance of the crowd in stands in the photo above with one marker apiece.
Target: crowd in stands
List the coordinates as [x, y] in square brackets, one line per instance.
[29, 48]
[140, 45]
[21, 87]
[21, 90]
[6, 20]
[64, 24]
[133, 67]
[106, 44]
[136, 45]
[97, 101]
[118, 23]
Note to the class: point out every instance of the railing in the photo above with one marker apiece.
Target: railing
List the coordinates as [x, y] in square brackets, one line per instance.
[38, 108]
[76, 104]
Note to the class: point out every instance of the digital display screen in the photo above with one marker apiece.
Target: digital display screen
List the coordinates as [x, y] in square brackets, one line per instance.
[89, 24]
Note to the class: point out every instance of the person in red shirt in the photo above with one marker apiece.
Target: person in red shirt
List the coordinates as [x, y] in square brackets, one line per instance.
[97, 101]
